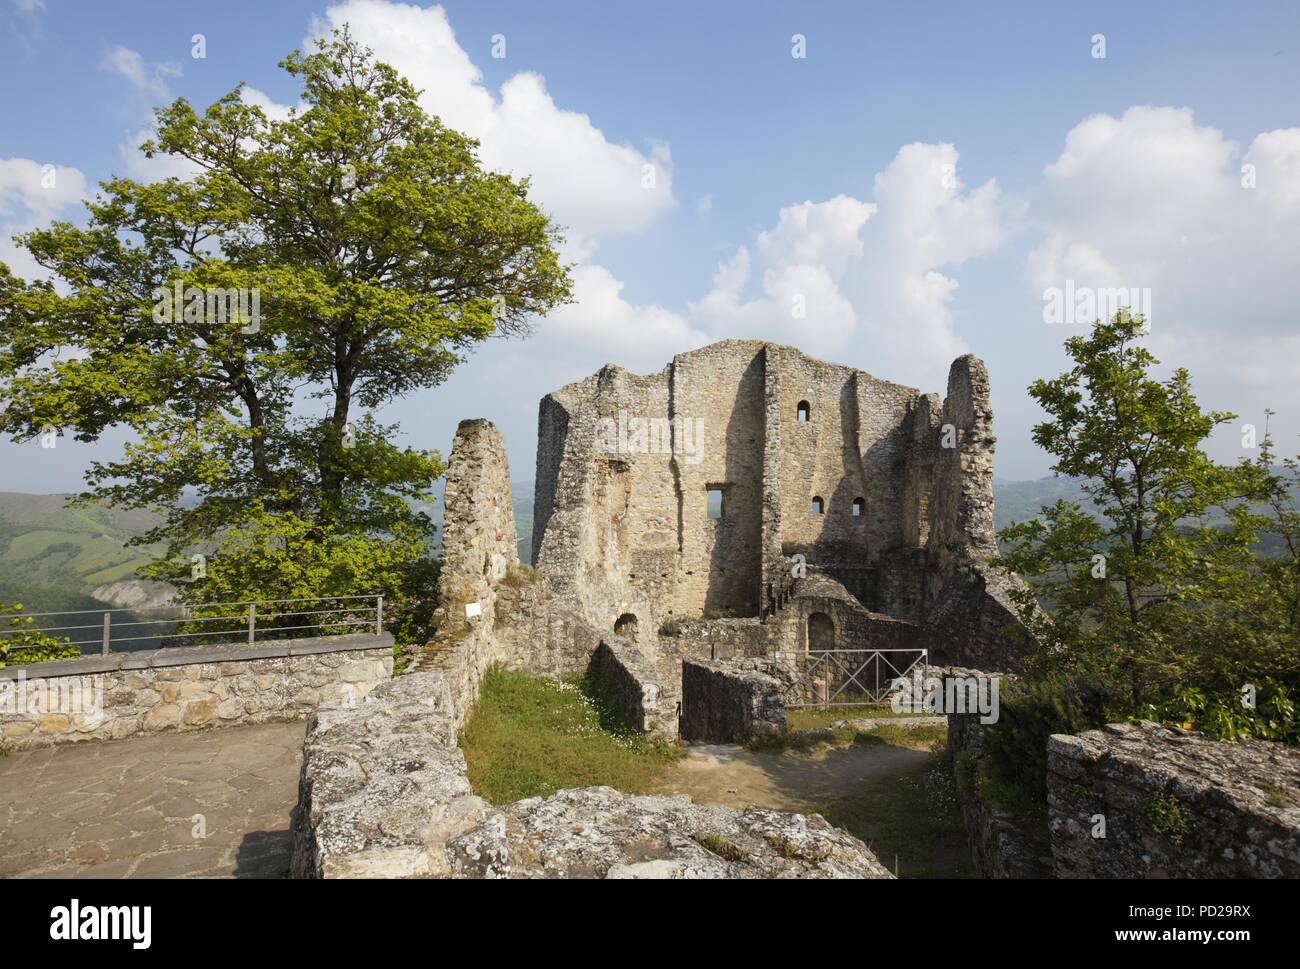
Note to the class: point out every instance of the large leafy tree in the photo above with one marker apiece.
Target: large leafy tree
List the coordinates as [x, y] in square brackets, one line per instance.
[1162, 538]
[381, 252]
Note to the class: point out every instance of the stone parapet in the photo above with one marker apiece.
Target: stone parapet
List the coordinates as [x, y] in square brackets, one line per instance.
[191, 688]
[1174, 804]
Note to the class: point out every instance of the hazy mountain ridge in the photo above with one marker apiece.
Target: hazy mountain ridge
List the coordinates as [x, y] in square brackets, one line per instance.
[54, 557]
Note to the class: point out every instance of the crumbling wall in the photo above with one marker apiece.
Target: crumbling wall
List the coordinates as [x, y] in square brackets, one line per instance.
[384, 793]
[731, 701]
[479, 543]
[623, 523]
[1001, 845]
[1174, 804]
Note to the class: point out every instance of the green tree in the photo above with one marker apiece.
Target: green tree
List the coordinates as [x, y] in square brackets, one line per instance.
[1166, 533]
[379, 252]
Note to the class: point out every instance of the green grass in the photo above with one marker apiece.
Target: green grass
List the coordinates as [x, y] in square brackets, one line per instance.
[529, 736]
[895, 735]
[912, 821]
[806, 718]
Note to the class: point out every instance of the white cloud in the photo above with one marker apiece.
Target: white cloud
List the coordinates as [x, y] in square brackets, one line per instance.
[1153, 200]
[865, 271]
[601, 317]
[589, 184]
[273, 110]
[157, 168]
[31, 194]
[30, 6]
[128, 63]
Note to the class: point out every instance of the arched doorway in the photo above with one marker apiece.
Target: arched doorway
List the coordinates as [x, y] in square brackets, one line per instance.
[821, 632]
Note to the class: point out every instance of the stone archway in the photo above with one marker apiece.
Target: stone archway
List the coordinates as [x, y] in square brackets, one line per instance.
[821, 632]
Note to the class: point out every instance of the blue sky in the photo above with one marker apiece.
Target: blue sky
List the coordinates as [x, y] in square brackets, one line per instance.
[919, 178]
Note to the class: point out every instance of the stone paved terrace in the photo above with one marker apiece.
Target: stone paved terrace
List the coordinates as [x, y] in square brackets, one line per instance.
[125, 808]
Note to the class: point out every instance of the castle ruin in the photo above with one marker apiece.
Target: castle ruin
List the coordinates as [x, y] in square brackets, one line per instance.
[761, 500]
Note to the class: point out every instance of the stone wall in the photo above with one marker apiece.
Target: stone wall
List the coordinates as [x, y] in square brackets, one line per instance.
[384, 793]
[731, 701]
[478, 540]
[1175, 804]
[902, 481]
[188, 688]
[633, 683]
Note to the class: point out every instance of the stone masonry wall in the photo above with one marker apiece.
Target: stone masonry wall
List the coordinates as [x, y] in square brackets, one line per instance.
[1175, 805]
[479, 542]
[626, 464]
[731, 701]
[634, 683]
[1000, 847]
[189, 688]
[384, 793]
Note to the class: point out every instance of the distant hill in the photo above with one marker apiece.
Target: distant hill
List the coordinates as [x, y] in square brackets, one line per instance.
[52, 556]
[1015, 501]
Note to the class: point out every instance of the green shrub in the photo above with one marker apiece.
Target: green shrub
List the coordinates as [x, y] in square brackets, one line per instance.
[1226, 717]
[1029, 713]
[1169, 817]
[23, 643]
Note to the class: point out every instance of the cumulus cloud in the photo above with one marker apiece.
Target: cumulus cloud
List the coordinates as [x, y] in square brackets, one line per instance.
[1152, 200]
[844, 271]
[595, 187]
[31, 194]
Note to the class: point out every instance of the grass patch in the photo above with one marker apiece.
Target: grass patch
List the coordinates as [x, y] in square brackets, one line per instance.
[806, 718]
[912, 822]
[529, 736]
[720, 846]
[894, 735]
[519, 575]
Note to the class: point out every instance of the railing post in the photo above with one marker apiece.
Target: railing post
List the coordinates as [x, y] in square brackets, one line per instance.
[379, 615]
[108, 620]
[252, 621]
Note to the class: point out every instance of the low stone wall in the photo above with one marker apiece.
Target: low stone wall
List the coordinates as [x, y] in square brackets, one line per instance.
[718, 638]
[1175, 804]
[633, 681]
[731, 701]
[188, 688]
[383, 786]
[384, 794]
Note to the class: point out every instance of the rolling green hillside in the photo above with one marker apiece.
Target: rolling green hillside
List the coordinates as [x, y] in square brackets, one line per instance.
[52, 556]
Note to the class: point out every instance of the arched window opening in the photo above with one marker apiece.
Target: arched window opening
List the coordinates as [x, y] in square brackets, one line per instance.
[818, 506]
[858, 506]
[803, 414]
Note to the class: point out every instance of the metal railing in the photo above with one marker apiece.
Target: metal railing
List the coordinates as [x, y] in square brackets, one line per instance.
[847, 677]
[243, 622]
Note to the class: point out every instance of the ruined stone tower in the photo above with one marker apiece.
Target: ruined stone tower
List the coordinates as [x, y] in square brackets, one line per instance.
[704, 491]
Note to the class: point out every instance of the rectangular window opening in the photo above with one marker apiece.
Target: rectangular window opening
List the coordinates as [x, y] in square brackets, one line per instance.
[715, 503]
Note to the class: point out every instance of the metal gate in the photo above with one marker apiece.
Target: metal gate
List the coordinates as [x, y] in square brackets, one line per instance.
[846, 677]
